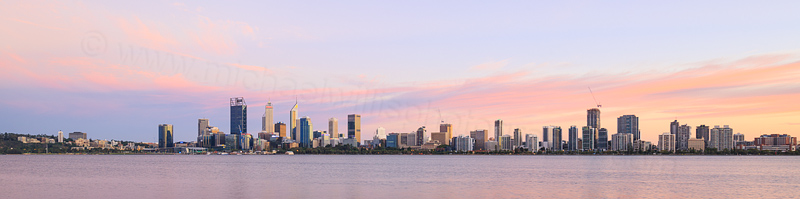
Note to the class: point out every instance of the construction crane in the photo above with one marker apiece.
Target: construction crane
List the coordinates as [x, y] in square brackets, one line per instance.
[440, 115]
[595, 99]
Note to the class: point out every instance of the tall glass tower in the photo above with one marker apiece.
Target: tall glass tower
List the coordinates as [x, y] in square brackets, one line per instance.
[238, 116]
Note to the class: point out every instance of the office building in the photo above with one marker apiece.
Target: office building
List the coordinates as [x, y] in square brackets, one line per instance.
[165, 136]
[77, 135]
[292, 122]
[304, 132]
[498, 130]
[333, 127]
[602, 139]
[573, 135]
[593, 118]
[629, 124]
[267, 119]
[354, 127]
[697, 144]
[280, 129]
[380, 134]
[666, 142]
[202, 127]
[440, 137]
[480, 136]
[556, 139]
[721, 138]
[238, 116]
[448, 130]
[411, 139]
[621, 142]
[232, 141]
[589, 138]
[393, 140]
[60, 136]
[532, 142]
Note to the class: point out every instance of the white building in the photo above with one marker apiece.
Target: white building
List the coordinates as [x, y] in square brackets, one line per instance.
[506, 143]
[60, 136]
[621, 141]
[666, 142]
[464, 143]
[721, 138]
[532, 142]
[492, 146]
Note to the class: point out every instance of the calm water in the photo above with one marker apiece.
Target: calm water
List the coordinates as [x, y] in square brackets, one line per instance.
[351, 176]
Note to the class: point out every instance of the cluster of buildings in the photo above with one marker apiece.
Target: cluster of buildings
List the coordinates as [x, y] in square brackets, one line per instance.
[591, 137]
[81, 142]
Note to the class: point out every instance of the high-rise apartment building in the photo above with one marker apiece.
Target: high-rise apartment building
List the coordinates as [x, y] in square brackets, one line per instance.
[602, 139]
[556, 138]
[238, 116]
[573, 135]
[498, 131]
[666, 142]
[420, 136]
[354, 127]
[682, 137]
[547, 131]
[629, 124]
[721, 138]
[702, 132]
[621, 142]
[60, 136]
[532, 142]
[506, 142]
[589, 138]
[464, 143]
[165, 136]
[267, 119]
[593, 118]
[517, 137]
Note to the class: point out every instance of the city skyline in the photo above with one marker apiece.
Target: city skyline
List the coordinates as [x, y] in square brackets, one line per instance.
[97, 72]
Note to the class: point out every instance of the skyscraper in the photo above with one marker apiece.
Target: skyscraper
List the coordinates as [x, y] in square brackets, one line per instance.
[556, 139]
[682, 137]
[517, 137]
[602, 139]
[481, 136]
[280, 129]
[165, 136]
[292, 122]
[721, 138]
[572, 144]
[506, 142]
[498, 131]
[666, 142]
[354, 127]
[60, 136]
[702, 132]
[593, 118]
[202, 127]
[546, 133]
[629, 124]
[333, 127]
[238, 116]
[267, 119]
[420, 136]
[532, 142]
[589, 138]
[621, 142]
[304, 132]
[447, 129]
[673, 127]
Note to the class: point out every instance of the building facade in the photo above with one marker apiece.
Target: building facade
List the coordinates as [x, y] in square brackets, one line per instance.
[629, 124]
[165, 136]
[238, 116]
[573, 135]
[354, 127]
[666, 142]
[480, 136]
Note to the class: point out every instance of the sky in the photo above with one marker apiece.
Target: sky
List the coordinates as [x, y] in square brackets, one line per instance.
[116, 70]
